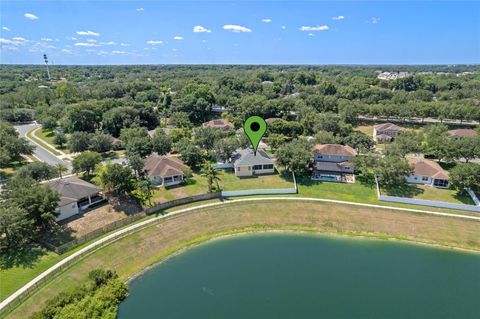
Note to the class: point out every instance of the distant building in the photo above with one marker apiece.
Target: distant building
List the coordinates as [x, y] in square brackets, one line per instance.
[222, 124]
[246, 163]
[270, 120]
[462, 133]
[164, 170]
[427, 172]
[386, 132]
[76, 195]
[392, 75]
[333, 162]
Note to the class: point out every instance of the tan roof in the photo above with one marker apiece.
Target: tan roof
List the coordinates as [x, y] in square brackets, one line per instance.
[388, 127]
[464, 132]
[384, 137]
[424, 167]
[272, 119]
[218, 123]
[72, 189]
[163, 166]
[334, 149]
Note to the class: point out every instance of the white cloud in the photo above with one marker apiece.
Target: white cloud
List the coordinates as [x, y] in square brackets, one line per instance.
[108, 43]
[5, 41]
[6, 29]
[140, 9]
[236, 28]
[284, 27]
[91, 40]
[19, 39]
[316, 28]
[267, 20]
[95, 34]
[154, 42]
[14, 41]
[66, 51]
[177, 37]
[72, 38]
[124, 44]
[338, 18]
[30, 16]
[373, 20]
[86, 44]
[311, 34]
[46, 39]
[199, 29]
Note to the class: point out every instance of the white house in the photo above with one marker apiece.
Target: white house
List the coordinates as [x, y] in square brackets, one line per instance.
[164, 171]
[76, 195]
[246, 163]
[428, 172]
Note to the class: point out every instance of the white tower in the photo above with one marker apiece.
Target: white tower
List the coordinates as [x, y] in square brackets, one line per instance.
[45, 58]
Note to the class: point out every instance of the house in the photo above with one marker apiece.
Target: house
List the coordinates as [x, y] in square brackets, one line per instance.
[427, 172]
[246, 163]
[164, 170]
[270, 120]
[333, 162]
[385, 132]
[219, 123]
[462, 133]
[76, 195]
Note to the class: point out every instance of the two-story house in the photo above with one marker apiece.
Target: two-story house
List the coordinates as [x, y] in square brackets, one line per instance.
[333, 162]
[386, 132]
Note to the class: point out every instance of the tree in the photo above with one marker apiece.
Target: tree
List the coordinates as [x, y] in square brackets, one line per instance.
[327, 122]
[60, 139]
[275, 140]
[295, 156]
[437, 141]
[11, 146]
[114, 178]
[466, 148]
[38, 171]
[465, 176]
[100, 142]
[206, 137]
[80, 118]
[136, 162]
[143, 191]
[116, 119]
[324, 137]
[361, 142]
[86, 162]
[16, 228]
[405, 143]
[225, 148]
[212, 176]
[390, 170]
[60, 169]
[161, 143]
[190, 154]
[79, 142]
[39, 202]
[136, 141]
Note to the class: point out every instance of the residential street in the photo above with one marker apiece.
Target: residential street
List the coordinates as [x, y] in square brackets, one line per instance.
[40, 152]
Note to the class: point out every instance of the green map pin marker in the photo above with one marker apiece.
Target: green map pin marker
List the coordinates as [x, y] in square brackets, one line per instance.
[255, 127]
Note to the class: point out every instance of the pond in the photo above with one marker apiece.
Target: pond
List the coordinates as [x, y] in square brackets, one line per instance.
[283, 275]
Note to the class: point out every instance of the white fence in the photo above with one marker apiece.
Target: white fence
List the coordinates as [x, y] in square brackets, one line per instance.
[271, 191]
[474, 197]
[432, 203]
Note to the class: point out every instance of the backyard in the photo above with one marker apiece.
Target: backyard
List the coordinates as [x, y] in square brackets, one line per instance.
[429, 193]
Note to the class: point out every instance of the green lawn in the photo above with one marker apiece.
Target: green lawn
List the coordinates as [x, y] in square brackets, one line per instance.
[41, 142]
[430, 193]
[228, 181]
[48, 135]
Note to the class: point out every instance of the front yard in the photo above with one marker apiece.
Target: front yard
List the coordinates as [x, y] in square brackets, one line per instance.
[48, 136]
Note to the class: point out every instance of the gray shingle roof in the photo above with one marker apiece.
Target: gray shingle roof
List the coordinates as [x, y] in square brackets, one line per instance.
[72, 189]
[247, 158]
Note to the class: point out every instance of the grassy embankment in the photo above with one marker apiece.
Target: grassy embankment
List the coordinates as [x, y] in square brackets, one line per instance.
[38, 140]
[48, 135]
[139, 250]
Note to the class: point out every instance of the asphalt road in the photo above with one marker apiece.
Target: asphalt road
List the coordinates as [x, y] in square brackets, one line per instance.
[40, 152]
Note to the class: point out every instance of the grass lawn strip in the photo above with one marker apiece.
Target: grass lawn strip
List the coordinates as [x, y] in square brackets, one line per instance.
[39, 141]
[134, 252]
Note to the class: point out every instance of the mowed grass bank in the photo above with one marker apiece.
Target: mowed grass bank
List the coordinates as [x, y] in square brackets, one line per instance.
[150, 245]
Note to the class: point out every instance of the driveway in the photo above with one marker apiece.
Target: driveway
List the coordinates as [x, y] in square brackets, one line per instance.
[41, 153]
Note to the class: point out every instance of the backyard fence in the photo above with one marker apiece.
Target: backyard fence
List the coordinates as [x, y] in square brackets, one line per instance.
[182, 201]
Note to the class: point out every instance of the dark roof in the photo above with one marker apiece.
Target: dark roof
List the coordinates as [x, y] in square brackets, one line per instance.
[424, 167]
[163, 166]
[388, 126]
[72, 189]
[218, 123]
[464, 132]
[247, 157]
[334, 149]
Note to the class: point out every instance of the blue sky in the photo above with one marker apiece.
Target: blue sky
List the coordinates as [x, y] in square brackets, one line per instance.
[241, 32]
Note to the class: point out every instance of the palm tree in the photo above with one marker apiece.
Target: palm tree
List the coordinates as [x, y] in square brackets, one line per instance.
[61, 169]
[212, 176]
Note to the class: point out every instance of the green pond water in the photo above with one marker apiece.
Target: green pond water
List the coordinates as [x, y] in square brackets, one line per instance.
[308, 276]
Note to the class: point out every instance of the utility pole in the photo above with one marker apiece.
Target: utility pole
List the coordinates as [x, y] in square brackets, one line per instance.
[45, 58]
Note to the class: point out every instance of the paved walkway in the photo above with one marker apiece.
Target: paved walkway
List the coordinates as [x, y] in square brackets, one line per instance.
[124, 231]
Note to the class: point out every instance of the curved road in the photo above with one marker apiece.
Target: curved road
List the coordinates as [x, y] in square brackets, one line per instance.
[40, 152]
[126, 230]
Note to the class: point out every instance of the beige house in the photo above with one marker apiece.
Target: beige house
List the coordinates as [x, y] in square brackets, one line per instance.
[333, 162]
[386, 132]
[222, 124]
[246, 163]
[76, 195]
[164, 170]
[428, 172]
